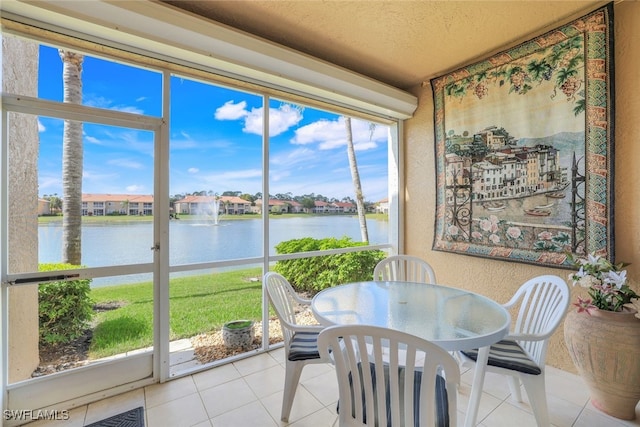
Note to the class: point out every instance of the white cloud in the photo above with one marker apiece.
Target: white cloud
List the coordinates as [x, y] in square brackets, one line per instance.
[193, 170]
[231, 179]
[127, 109]
[134, 188]
[281, 119]
[183, 143]
[253, 122]
[41, 127]
[103, 183]
[277, 176]
[102, 102]
[119, 139]
[321, 130]
[365, 145]
[125, 163]
[91, 176]
[330, 134]
[49, 181]
[302, 155]
[96, 101]
[231, 111]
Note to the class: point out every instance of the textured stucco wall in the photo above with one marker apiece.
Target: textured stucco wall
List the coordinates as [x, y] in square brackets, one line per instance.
[498, 279]
[20, 68]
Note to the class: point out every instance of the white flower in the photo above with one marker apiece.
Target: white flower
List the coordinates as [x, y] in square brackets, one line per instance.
[606, 283]
[588, 281]
[580, 273]
[591, 259]
[616, 278]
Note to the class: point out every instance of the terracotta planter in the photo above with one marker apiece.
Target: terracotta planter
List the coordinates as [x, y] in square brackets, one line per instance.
[605, 348]
[238, 333]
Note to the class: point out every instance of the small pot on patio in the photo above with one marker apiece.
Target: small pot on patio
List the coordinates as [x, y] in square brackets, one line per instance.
[238, 333]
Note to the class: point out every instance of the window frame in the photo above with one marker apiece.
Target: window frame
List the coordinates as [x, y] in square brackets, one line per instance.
[388, 106]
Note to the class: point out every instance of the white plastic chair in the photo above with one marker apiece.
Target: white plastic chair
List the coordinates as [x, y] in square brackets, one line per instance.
[396, 365]
[404, 268]
[540, 303]
[300, 341]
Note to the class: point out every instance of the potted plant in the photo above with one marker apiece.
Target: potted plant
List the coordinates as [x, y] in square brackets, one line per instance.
[603, 336]
[238, 333]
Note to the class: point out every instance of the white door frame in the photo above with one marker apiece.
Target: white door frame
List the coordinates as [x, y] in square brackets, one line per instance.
[110, 376]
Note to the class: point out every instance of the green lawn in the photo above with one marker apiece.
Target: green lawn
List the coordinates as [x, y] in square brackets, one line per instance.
[197, 304]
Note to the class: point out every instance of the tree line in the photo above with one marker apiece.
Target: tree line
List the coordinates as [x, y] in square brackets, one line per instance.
[258, 196]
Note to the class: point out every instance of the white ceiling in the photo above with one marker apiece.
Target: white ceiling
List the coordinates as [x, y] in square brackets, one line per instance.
[401, 43]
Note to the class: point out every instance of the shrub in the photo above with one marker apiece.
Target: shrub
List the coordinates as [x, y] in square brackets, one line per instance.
[65, 308]
[319, 272]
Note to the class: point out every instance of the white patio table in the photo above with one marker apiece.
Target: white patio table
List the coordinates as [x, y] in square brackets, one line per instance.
[453, 318]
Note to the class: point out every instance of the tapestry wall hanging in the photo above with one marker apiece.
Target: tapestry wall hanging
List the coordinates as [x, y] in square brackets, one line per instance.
[524, 149]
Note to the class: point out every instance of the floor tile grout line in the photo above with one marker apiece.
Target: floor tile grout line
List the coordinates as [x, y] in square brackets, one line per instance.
[578, 418]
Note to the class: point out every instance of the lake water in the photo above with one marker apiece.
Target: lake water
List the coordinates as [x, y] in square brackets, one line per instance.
[514, 211]
[121, 243]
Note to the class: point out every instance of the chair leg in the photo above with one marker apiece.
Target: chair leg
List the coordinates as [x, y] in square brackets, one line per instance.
[536, 390]
[514, 387]
[291, 379]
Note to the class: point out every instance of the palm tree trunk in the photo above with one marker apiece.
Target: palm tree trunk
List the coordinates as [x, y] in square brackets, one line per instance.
[355, 177]
[72, 154]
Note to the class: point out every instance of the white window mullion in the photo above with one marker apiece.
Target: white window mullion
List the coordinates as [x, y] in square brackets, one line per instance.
[4, 258]
[161, 279]
[265, 216]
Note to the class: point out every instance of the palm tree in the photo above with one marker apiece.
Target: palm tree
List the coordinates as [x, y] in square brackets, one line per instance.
[72, 154]
[355, 177]
[55, 204]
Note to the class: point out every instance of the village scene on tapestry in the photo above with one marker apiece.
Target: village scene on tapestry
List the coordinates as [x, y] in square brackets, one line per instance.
[513, 151]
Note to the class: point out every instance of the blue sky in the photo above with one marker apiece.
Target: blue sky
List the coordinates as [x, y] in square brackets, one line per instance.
[215, 139]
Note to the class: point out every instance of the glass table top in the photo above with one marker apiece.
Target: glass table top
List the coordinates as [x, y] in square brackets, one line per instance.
[453, 318]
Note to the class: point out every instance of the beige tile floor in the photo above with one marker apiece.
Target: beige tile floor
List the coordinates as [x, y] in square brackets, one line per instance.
[248, 393]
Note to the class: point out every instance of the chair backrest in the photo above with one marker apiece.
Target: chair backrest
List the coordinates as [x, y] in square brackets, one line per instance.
[541, 304]
[283, 299]
[405, 268]
[377, 367]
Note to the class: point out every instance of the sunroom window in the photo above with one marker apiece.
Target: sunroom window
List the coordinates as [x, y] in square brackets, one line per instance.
[189, 180]
[218, 153]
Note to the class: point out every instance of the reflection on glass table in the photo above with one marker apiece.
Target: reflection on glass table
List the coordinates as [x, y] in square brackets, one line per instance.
[454, 319]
